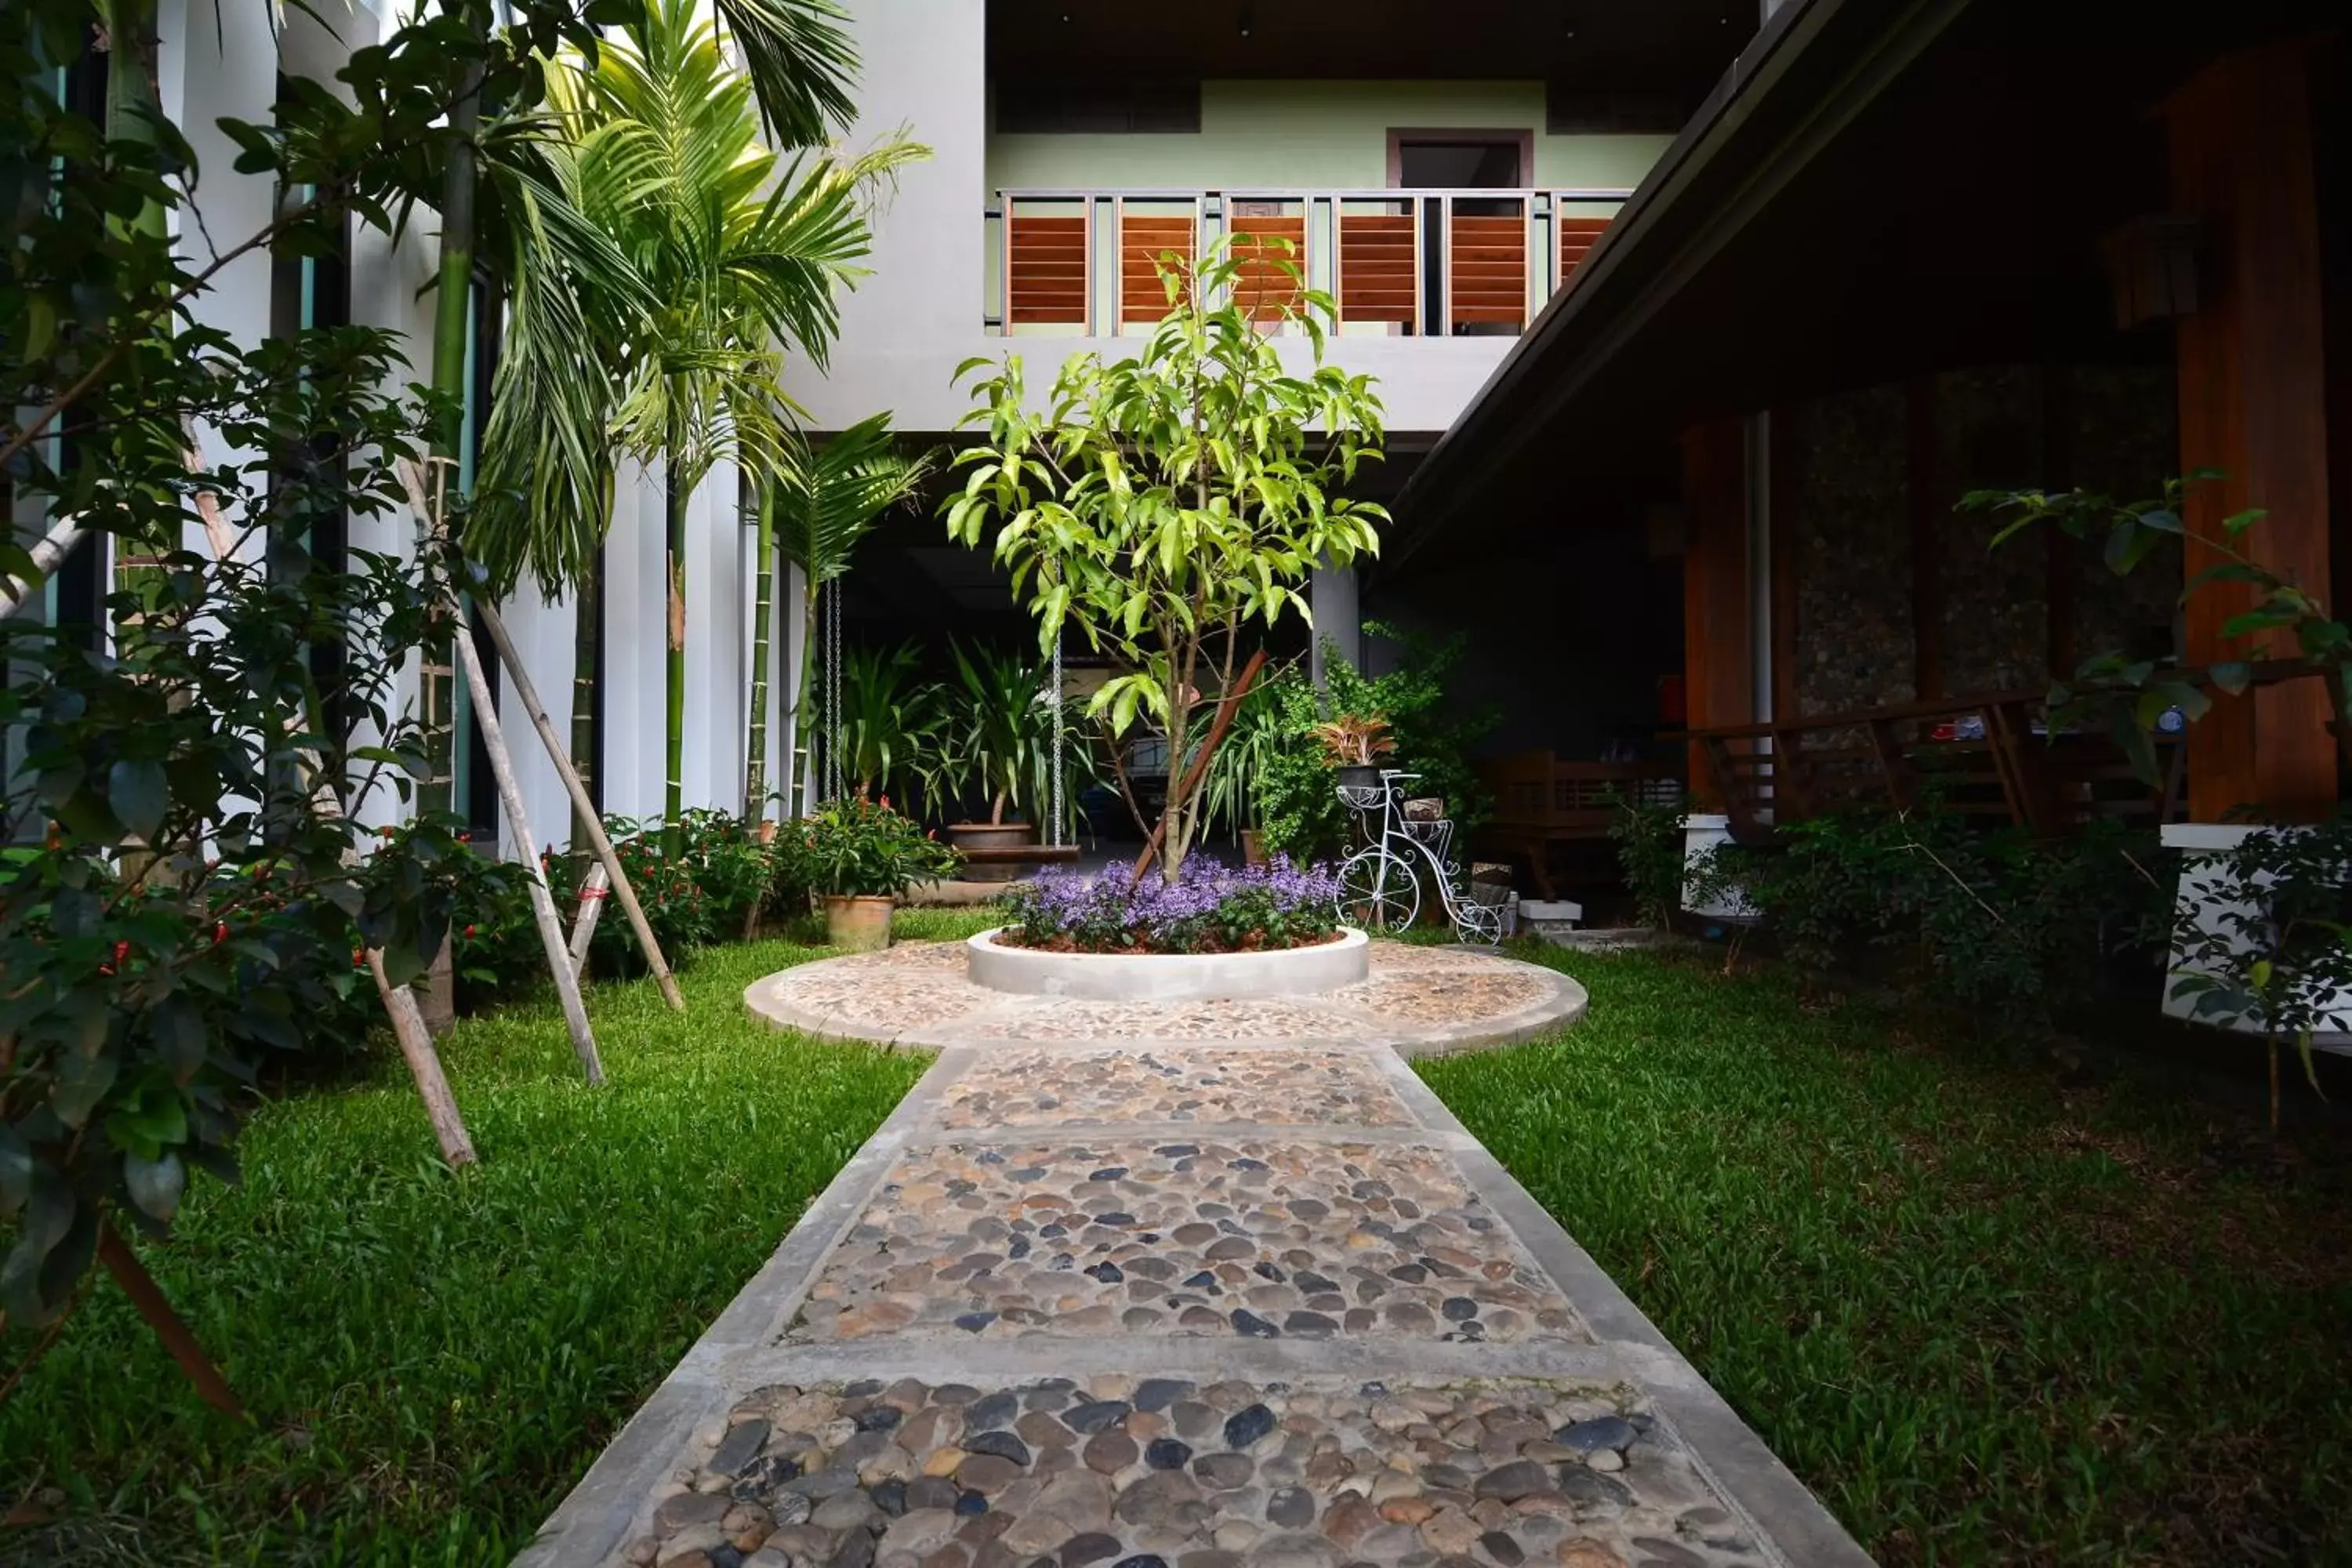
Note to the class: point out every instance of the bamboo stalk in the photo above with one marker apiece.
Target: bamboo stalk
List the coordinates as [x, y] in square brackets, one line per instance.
[583, 807]
[755, 738]
[156, 1307]
[542, 901]
[593, 890]
[424, 1064]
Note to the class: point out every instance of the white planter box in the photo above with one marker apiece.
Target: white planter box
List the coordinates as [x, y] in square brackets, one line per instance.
[1168, 976]
[2203, 847]
[1703, 833]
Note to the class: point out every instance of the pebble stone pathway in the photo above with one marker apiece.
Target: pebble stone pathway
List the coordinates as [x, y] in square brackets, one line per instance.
[1182, 1286]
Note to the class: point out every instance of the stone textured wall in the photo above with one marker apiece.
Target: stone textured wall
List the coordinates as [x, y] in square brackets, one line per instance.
[1846, 513]
[1989, 435]
[2126, 442]
[1844, 494]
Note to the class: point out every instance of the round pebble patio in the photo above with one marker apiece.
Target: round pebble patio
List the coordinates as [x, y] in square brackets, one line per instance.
[1418, 1000]
[1182, 1285]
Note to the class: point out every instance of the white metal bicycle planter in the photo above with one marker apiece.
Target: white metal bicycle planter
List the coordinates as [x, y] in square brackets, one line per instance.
[1380, 886]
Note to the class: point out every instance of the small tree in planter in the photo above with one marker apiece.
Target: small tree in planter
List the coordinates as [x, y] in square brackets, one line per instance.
[860, 858]
[1167, 501]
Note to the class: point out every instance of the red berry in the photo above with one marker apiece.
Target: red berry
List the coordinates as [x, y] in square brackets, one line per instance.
[469, 933]
[220, 932]
[121, 951]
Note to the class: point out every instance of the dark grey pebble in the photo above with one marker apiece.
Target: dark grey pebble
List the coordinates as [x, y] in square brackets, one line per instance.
[1293, 1507]
[970, 1503]
[890, 1497]
[1159, 1393]
[1503, 1549]
[878, 1418]
[1249, 1325]
[1003, 1445]
[740, 1447]
[1094, 1415]
[1246, 1426]
[1460, 1309]
[1307, 1323]
[1080, 1550]
[972, 1323]
[1167, 1454]
[1109, 1174]
[996, 1410]
[1600, 1432]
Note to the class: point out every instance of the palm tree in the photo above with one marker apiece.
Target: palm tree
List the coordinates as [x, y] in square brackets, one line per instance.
[827, 500]
[740, 254]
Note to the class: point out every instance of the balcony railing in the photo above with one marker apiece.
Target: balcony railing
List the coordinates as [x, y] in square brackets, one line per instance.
[1399, 263]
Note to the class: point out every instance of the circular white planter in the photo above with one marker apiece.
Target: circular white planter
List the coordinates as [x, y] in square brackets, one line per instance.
[1169, 977]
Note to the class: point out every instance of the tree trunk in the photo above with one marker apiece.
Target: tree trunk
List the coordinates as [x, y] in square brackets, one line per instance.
[755, 738]
[1197, 766]
[588, 613]
[436, 704]
[675, 497]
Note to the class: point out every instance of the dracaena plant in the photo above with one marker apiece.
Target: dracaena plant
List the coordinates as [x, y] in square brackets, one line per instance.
[1165, 504]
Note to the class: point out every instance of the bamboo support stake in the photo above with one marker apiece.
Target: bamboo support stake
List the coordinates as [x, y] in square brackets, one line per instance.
[594, 889]
[542, 902]
[586, 809]
[156, 1307]
[399, 1005]
[424, 1064]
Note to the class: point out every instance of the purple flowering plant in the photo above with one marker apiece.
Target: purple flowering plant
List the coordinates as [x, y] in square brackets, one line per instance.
[1208, 908]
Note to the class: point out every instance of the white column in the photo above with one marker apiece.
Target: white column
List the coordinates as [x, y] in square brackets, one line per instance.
[1338, 619]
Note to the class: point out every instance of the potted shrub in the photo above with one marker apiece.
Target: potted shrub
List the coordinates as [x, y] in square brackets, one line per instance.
[1238, 765]
[1354, 744]
[860, 856]
[1000, 724]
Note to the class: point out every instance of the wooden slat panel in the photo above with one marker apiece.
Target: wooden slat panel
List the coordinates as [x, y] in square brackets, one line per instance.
[1376, 266]
[1486, 268]
[1577, 237]
[1046, 271]
[1143, 240]
[1261, 287]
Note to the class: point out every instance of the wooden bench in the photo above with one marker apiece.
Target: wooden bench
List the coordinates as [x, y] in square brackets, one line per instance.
[1542, 804]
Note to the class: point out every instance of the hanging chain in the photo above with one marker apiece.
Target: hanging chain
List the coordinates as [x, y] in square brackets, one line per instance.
[1057, 838]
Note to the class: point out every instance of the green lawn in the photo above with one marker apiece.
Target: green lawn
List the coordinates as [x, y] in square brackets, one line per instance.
[431, 1361]
[1990, 1317]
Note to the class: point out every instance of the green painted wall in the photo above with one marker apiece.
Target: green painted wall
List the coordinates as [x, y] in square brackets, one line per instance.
[1318, 134]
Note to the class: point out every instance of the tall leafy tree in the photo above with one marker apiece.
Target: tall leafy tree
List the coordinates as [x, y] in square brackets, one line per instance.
[740, 251]
[826, 499]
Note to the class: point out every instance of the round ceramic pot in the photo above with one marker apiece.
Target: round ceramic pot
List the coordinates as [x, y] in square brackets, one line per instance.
[992, 835]
[1361, 775]
[854, 923]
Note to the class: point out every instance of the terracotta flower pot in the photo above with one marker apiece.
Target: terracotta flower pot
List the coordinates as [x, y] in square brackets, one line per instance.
[1252, 847]
[970, 835]
[767, 832]
[857, 923]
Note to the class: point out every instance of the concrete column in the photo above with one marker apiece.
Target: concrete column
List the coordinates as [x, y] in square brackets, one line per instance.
[1338, 621]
